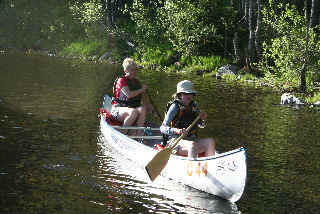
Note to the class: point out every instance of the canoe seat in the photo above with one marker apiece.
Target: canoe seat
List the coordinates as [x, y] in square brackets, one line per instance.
[109, 118]
[200, 155]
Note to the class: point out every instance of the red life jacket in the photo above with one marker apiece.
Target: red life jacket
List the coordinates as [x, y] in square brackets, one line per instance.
[121, 99]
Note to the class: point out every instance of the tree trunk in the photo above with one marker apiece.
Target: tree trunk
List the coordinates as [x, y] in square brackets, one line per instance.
[314, 14]
[110, 12]
[303, 84]
[236, 48]
[242, 8]
[257, 32]
[251, 32]
[246, 9]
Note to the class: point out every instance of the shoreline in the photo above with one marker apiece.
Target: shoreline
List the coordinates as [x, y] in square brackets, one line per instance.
[256, 81]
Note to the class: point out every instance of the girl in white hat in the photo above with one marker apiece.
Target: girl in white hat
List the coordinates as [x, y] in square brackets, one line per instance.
[181, 112]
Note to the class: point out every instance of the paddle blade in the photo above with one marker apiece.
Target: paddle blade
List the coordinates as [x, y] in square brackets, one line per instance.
[160, 160]
[157, 164]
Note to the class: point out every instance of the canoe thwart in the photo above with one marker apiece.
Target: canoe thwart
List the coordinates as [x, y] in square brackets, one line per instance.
[136, 128]
[147, 137]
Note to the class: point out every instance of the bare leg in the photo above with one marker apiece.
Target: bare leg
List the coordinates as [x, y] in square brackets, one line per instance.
[141, 119]
[128, 116]
[189, 148]
[206, 145]
[192, 150]
[131, 117]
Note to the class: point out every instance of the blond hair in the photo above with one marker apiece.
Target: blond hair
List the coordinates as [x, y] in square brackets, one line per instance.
[129, 64]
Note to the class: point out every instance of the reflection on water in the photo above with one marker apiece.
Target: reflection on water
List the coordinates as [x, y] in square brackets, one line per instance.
[52, 158]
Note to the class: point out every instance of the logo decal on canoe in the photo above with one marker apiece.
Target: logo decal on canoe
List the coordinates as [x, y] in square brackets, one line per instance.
[224, 166]
[197, 168]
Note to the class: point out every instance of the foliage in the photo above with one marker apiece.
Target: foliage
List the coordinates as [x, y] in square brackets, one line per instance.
[206, 63]
[158, 56]
[230, 77]
[191, 24]
[89, 14]
[315, 98]
[189, 27]
[148, 28]
[48, 24]
[248, 76]
[164, 58]
[37, 24]
[285, 54]
[85, 48]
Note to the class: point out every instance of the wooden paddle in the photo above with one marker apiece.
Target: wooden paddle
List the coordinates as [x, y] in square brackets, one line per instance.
[155, 108]
[160, 160]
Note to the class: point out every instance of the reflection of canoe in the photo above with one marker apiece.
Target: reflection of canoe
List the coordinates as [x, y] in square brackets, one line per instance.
[223, 175]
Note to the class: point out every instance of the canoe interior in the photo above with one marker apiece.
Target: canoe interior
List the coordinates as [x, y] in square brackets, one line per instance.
[107, 104]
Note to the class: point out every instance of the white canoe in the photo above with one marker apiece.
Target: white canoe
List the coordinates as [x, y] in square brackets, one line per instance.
[223, 175]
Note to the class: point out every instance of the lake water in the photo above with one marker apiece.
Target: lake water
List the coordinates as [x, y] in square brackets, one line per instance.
[53, 158]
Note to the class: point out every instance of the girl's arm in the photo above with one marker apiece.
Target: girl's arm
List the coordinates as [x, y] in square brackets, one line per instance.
[165, 127]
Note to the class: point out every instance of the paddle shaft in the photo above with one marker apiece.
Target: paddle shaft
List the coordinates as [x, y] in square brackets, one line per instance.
[155, 108]
[186, 133]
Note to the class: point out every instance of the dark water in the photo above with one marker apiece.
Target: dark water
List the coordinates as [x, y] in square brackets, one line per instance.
[54, 160]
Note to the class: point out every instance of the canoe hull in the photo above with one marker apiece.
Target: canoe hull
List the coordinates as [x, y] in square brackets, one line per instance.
[223, 175]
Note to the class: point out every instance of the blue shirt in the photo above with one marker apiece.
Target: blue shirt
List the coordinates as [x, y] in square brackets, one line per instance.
[171, 114]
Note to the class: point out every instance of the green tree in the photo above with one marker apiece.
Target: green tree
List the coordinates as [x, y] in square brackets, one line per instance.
[194, 26]
[90, 15]
[37, 24]
[293, 54]
[148, 27]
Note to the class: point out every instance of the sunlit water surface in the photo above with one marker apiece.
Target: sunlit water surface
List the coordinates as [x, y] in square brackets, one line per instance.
[53, 158]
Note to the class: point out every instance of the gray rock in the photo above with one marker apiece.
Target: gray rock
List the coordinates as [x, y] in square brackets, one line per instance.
[317, 103]
[227, 69]
[290, 99]
[105, 56]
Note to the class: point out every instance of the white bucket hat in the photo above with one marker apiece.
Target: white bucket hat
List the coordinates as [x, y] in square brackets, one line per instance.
[185, 86]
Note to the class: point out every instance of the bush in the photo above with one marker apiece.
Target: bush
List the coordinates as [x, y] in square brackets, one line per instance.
[196, 27]
[85, 48]
[148, 27]
[207, 63]
[288, 50]
[156, 56]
